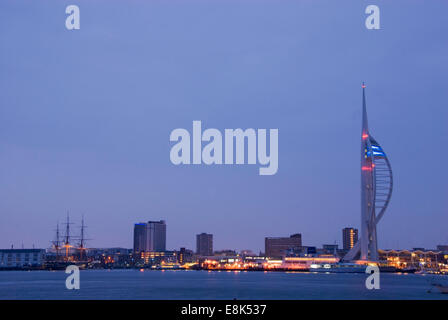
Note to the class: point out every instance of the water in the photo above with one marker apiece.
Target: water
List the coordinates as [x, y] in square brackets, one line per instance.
[134, 284]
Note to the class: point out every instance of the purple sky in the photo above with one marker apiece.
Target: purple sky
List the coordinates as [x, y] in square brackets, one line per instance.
[86, 117]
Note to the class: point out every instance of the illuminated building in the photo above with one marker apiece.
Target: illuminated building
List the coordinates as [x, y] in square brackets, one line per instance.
[263, 263]
[156, 258]
[349, 238]
[417, 258]
[150, 236]
[181, 255]
[185, 256]
[279, 246]
[304, 263]
[376, 191]
[204, 244]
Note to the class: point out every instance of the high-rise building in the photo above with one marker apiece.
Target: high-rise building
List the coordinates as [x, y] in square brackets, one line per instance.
[150, 236]
[139, 237]
[204, 244]
[349, 238]
[277, 247]
[376, 191]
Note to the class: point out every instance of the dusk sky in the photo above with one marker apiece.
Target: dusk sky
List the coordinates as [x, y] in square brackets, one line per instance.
[86, 117]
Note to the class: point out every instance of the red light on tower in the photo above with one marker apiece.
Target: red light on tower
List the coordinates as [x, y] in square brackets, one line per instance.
[363, 85]
[365, 136]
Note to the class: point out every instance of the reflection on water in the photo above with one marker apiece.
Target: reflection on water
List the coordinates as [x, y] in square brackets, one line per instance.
[136, 284]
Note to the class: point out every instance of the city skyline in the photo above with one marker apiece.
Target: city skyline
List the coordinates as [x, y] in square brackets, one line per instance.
[151, 236]
[96, 142]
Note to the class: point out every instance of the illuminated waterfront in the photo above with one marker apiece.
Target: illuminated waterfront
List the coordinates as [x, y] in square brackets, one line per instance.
[134, 284]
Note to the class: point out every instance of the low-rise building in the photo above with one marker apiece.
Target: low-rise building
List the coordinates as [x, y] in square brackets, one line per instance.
[21, 258]
[418, 258]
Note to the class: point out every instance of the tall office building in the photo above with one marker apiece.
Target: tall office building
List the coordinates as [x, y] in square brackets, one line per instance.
[204, 244]
[150, 236]
[376, 191]
[139, 237]
[349, 238]
[277, 247]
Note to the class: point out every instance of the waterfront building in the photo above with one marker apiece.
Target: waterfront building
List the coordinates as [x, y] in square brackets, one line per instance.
[302, 251]
[349, 238]
[110, 257]
[302, 263]
[376, 191]
[21, 258]
[280, 246]
[185, 256]
[150, 236]
[417, 258]
[94, 252]
[204, 244]
[156, 257]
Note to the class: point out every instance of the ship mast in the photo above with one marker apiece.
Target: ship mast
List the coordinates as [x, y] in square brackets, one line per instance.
[82, 240]
[56, 242]
[67, 237]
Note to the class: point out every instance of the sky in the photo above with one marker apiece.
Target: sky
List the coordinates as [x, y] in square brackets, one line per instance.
[86, 115]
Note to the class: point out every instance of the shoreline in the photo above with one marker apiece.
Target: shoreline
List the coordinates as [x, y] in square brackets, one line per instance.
[303, 271]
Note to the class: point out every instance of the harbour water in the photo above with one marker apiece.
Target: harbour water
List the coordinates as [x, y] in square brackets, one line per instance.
[151, 284]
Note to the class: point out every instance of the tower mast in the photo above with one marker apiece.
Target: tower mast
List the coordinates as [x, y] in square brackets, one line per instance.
[376, 190]
[368, 240]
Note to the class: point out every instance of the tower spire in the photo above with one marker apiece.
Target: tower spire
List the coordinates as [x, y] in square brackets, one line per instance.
[365, 125]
